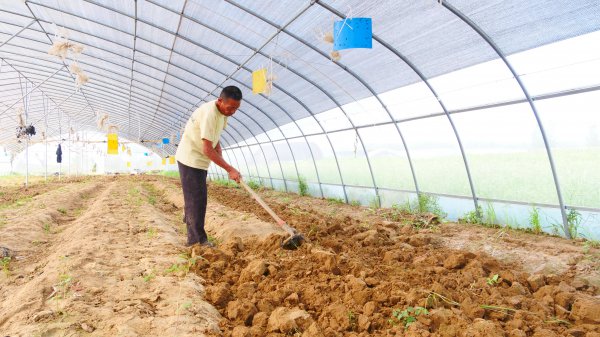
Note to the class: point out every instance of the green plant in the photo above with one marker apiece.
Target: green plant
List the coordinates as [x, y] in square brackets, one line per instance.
[46, 228]
[573, 222]
[430, 203]
[407, 316]
[151, 232]
[335, 200]
[490, 218]
[352, 319]
[302, 185]
[183, 267]
[374, 203]
[5, 264]
[149, 277]
[491, 281]
[534, 220]
[62, 211]
[225, 183]
[355, 203]
[253, 184]
[184, 306]
[473, 217]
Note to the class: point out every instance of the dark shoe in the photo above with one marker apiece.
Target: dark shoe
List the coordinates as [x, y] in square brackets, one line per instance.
[184, 221]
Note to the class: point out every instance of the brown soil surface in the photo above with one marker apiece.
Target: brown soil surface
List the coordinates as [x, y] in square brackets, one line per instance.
[359, 267]
[110, 263]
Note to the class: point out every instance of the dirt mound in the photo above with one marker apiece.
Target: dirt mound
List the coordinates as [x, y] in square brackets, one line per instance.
[380, 278]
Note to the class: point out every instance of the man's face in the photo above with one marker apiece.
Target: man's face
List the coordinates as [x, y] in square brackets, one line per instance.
[228, 106]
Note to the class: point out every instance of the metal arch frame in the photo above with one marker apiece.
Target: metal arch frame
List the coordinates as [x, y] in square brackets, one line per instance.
[496, 48]
[49, 39]
[282, 29]
[131, 75]
[26, 78]
[185, 2]
[268, 116]
[182, 15]
[160, 70]
[232, 61]
[433, 92]
[359, 79]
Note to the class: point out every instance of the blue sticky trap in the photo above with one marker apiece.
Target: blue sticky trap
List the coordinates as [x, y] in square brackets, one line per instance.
[166, 141]
[353, 33]
[146, 154]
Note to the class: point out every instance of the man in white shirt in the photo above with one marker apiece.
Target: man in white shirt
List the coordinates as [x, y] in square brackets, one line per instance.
[199, 147]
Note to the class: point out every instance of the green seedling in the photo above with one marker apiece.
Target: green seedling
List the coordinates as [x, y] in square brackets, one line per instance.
[149, 277]
[492, 281]
[5, 264]
[151, 232]
[355, 203]
[46, 228]
[338, 201]
[62, 211]
[407, 316]
[534, 220]
[302, 186]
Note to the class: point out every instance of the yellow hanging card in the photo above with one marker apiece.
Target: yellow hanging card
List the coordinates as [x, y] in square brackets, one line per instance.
[113, 143]
[172, 160]
[259, 81]
[128, 164]
[164, 161]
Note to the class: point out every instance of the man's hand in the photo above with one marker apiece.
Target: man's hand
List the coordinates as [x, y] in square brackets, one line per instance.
[234, 175]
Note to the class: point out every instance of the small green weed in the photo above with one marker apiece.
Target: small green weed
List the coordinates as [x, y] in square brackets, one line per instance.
[62, 211]
[408, 316]
[5, 264]
[151, 232]
[253, 184]
[374, 203]
[573, 222]
[355, 203]
[46, 228]
[534, 220]
[490, 219]
[149, 277]
[225, 183]
[302, 185]
[352, 320]
[473, 217]
[338, 201]
[492, 281]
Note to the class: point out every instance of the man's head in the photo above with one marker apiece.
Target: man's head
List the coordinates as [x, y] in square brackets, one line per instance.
[229, 100]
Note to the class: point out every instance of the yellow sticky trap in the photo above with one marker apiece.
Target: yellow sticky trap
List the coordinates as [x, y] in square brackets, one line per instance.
[149, 163]
[259, 81]
[128, 164]
[113, 143]
[164, 161]
[122, 148]
[172, 160]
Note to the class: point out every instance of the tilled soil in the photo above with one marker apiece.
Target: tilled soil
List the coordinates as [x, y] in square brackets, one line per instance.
[106, 257]
[357, 278]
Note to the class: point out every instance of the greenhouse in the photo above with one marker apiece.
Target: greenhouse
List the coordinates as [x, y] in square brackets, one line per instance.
[306, 168]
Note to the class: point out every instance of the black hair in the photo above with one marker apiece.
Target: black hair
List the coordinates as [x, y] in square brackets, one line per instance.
[231, 92]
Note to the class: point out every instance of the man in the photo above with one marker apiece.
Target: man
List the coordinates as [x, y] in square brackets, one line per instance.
[199, 147]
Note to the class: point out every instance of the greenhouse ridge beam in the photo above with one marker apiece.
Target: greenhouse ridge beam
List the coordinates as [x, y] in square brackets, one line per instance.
[491, 43]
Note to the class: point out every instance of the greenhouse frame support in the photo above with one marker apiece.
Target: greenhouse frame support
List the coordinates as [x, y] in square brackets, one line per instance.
[496, 48]
[17, 33]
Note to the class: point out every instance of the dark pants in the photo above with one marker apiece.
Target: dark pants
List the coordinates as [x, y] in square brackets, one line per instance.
[193, 183]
